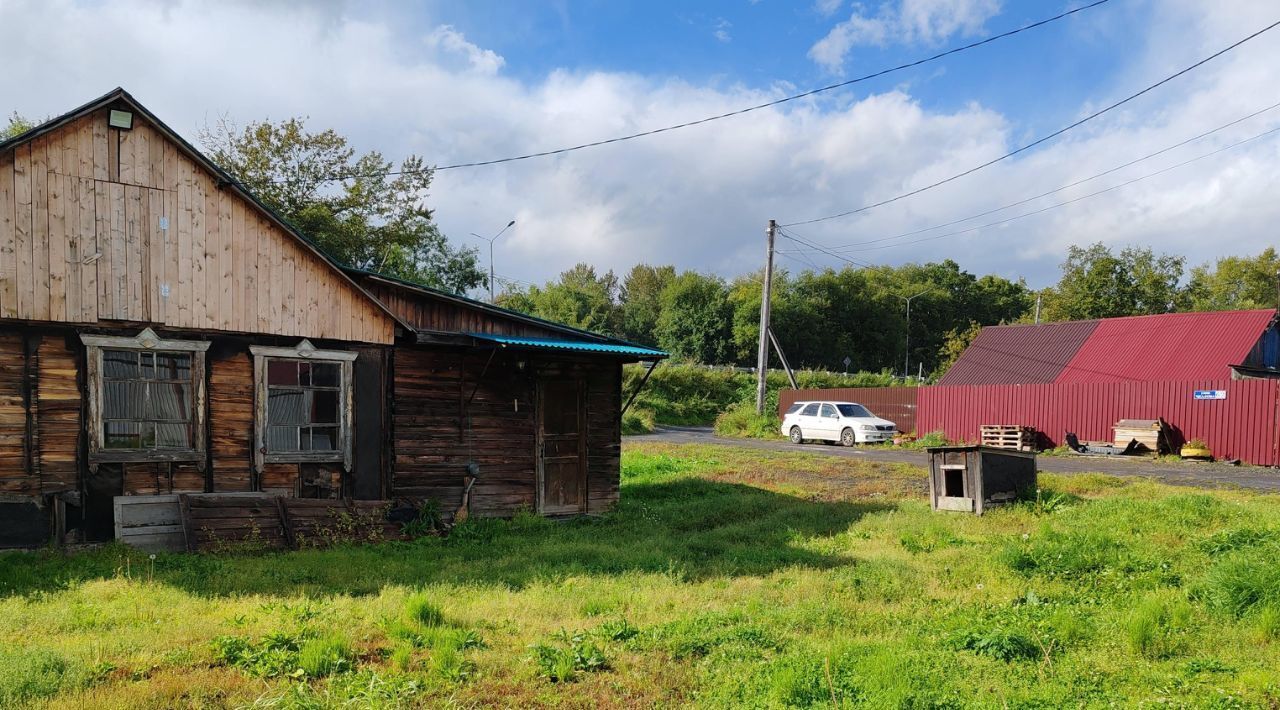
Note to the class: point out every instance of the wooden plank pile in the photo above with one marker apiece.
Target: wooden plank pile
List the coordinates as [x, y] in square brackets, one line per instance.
[249, 521]
[1009, 436]
[1153, 435]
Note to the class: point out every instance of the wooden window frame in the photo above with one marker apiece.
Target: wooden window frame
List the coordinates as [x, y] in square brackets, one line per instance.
[302, 352]
[146, 341]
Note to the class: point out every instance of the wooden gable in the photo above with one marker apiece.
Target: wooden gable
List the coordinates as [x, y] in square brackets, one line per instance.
[430, 312]
[102, 224]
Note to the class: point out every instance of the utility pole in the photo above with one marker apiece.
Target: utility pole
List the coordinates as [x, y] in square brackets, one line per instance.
[1038, 297]
[766, 293]
[906, 361]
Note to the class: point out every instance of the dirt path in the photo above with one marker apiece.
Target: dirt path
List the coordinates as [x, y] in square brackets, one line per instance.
[1203, 475]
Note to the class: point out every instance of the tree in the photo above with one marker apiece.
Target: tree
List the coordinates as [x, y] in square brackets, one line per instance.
[367, 218]
[579, 298]
[1234, 283]
[1096, 283]
[17, 125]
[695, 318]
[640, 301]
[956, 342]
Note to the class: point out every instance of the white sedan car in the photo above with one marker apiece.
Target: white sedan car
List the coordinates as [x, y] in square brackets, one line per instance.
[845, 422]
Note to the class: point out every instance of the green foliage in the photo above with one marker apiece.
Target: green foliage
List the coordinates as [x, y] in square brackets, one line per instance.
[274, 655]
[741, 421]
[1234, 283]
[1097, 283]
[320, 657]
[564, 656]
[640, 299]
[1075, 555]
[694, 319]
[617, 630]
[373, 220]
[638, 420]
[17, 126]
[954, 345]
[1240, 582]
[428, 520]
[929, 440]
[31, 675]
[580, 298]
[421, 612]
[998, 643]
[1155, 627]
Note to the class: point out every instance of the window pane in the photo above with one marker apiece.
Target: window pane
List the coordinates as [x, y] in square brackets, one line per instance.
[810, 411]
[282, 372]
[282, 438]
[122, 435]
[124, 400]
[173, 436]
[325, 374]
[324, 407]
[324, 438]
[119, 364]
[287, 406]
[173, 366]
[170, 400]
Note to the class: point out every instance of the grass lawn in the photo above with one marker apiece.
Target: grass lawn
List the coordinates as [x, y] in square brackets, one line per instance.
[726, 577]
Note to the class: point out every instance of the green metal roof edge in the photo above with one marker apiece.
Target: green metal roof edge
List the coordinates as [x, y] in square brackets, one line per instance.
[583, 346]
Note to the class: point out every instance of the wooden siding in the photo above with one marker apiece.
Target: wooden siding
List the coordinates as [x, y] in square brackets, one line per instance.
[435, 436]
[57, 417]
[17, 476]
[425, 312]
[101, 224]
[231, 421]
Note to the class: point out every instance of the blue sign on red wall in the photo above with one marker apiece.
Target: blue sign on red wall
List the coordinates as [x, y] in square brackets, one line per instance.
[1211, 394]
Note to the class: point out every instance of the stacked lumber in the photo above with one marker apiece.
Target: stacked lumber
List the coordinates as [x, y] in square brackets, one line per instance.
[1009, 436]
[1152, 435]
[239, 521]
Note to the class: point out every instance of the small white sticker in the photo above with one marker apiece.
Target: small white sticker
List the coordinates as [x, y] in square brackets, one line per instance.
[164, 290]
[164, 222]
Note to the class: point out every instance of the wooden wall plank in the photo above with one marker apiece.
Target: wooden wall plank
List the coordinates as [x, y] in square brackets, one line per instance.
[8, 237]
[98, 127]
[57, 186]
[22, 231]
[199, 256]
[182, 286]
[40, 227]
[226, 258]
[90, 252]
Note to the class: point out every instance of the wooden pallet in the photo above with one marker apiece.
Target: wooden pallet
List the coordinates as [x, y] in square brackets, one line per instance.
[1153, 435]
[1009, 436]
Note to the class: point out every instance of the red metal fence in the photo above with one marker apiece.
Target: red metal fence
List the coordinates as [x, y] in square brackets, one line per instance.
[1243, 425]
[897, 404]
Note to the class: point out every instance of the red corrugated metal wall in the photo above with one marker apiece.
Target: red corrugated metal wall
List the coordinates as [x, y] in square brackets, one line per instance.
[897, 404]
[1243, 426]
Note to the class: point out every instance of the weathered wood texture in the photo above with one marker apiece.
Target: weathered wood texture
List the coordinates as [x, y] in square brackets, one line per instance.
[17, 475]
[102, 224]
[231, 421]
[436, 434]
[213, 522]
[425, 312]
[57, 415]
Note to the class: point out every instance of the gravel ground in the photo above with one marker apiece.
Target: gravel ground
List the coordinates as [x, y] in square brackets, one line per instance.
[1180, 473]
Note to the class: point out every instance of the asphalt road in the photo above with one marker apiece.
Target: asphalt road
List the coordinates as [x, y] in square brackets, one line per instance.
[1183, 473]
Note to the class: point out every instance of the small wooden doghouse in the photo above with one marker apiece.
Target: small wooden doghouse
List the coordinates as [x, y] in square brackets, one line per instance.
[970, 479]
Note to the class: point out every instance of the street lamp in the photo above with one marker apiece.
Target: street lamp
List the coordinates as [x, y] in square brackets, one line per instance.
[491, 240]
[906, 361]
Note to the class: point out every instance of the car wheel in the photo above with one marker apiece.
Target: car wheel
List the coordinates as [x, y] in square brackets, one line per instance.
[796, 437]
[847, 438]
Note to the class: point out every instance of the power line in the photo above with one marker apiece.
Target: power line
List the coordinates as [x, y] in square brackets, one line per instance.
[1162, 151]
[1071, 201]
[1042, 139]
[739, 112]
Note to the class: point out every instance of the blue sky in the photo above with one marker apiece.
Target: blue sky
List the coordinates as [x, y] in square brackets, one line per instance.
[456, 82]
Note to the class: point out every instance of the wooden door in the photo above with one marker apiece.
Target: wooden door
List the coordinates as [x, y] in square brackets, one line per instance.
[562, 448]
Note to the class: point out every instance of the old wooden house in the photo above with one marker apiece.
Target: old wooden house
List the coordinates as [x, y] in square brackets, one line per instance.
[162, 331]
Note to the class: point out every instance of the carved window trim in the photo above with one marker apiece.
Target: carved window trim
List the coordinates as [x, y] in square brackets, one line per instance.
[302, 352]
[145, 341]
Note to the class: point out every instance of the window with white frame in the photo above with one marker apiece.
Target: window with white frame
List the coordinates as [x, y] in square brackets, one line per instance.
[146, 397]
[303, 403]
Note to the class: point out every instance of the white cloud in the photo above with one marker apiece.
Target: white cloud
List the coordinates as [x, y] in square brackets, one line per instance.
[827, 8]
[699, 197]
[925, 22]
[721, 30]
[449, 41]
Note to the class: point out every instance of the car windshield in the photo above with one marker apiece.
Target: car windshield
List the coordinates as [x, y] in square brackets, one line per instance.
[854, 410]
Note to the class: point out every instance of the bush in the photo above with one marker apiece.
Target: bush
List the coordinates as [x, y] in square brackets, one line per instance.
[638, 420]
[561, 660]
[741, 421]
[997, 643]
